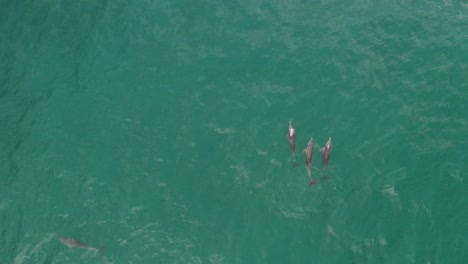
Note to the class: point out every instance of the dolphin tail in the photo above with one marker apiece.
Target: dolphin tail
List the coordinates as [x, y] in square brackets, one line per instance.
[100, 250]
[312, 182]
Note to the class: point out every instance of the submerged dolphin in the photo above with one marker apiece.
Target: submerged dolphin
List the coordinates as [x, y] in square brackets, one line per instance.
[326, 153]
[75, 243]
[292, 139]
[309, 151]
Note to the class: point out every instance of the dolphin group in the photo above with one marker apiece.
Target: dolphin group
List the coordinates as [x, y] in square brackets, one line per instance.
[309, 151]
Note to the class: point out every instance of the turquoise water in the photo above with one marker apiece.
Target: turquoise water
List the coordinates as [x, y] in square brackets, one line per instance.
[158, 130]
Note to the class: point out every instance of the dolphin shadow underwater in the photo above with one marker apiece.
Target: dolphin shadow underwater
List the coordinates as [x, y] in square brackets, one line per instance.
[295, 165]
[324, 178]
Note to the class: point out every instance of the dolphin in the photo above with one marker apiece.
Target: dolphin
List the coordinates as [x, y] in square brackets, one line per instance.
[326, 153]
[75, 243]
[309, 151]
[292, 139]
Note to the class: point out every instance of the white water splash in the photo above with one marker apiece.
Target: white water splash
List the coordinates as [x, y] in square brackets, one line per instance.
[389, 190]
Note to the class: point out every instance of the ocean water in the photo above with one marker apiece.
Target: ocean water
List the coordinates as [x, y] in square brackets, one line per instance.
[158, 130]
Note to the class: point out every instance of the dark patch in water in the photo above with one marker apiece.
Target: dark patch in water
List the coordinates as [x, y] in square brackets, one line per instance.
[295, 164]
[324, 178]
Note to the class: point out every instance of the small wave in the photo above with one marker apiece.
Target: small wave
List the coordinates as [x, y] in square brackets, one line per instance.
[34, 254]
[223, 131]
[389, 190]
